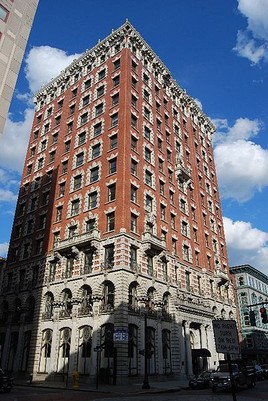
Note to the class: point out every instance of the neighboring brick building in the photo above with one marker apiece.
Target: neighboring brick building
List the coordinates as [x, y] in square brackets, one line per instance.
[118, 215]
[252, 296]
[16, 19]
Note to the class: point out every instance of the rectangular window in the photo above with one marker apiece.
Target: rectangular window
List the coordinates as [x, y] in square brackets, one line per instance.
[62, 189]
[59, 213]
[162, 212]
[134, 142]
[149, 203]
[184, 228]
[116, 64]
[81, 138]
[85, 101]
[64, 167]
[134, 101]
[52, 156]
[188, 281]
[79, 159]
[77, 181]
[134, 167]
[92, 200]
[112, 166]
[96, 150]
[148, 155]
[133, 194]
[133, 223]
[67, 146]
[146, 113]
[87, 84]
[111, 192]
[113, 142]
[99, 109]
[110, 218]
[75, 207]
[148, 178]
[94, 174]
[101, 74]
[186, 252]
[3, 13]
[161, 187]
[147, 133]
[114, 120]
[134, 120]
[90, 225]
[116, 80]
[100, 91]
[84, 118]
[97, 129]
[115, 99]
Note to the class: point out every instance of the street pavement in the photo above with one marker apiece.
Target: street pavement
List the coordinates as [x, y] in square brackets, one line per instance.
[159, 391]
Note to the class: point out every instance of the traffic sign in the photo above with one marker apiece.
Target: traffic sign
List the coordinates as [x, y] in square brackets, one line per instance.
[226, 336]
[121, 334]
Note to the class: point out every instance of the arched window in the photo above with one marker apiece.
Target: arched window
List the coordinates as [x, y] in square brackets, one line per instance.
[166, 303]
[132, 349]
[132, 296]
[151, 350]
[86, 297]
[30, 308]
[17, 311]
[85, 349]
[150, 299]
[67, 306]
[49, 299]
[4, 312]
[12, 349]
[108, 295]
[26, 350]
[45, 355]
[166, 351]
[64, 350]
[107, 341]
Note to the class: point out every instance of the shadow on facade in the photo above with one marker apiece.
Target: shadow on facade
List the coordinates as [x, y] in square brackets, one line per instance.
[23, 276]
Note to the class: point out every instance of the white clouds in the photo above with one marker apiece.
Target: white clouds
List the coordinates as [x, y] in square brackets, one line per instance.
[4, 249]
[14, 141]
[44, 63]
[7, 196]
[253, 42]
[246, 244]
[242, 165]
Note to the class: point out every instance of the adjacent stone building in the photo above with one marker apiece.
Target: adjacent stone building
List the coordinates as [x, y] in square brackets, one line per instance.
[252, 296]
[118, 217]
[16, 19]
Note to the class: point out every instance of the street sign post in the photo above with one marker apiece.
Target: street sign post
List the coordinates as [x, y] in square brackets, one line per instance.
[226, 341]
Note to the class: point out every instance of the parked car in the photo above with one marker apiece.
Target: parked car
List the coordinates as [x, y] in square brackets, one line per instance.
[265, 370]
[6, 382]
[200, 381]
[259, 372]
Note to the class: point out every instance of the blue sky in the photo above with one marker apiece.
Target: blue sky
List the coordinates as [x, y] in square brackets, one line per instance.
[216, 50]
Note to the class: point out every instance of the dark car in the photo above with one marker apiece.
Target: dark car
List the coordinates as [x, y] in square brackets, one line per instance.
[201, 381]
[265, 370]
[6, 381]
[259, 372]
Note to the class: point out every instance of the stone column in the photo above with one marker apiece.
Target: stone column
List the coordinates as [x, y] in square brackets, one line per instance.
[189, 365]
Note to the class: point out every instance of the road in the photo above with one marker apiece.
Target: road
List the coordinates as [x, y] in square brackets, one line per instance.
[23, 393]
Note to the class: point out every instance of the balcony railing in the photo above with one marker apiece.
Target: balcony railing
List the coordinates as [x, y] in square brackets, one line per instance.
[156, 243]
[82, 239]
[85, 311]
[183, 172]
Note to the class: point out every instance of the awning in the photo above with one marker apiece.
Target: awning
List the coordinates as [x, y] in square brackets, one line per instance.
[203, 352]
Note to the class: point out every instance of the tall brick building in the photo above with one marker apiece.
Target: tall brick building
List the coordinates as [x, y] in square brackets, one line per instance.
[16, 19]
[118, 216]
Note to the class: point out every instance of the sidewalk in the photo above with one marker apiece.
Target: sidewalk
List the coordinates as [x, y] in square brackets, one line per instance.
[155, 387]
